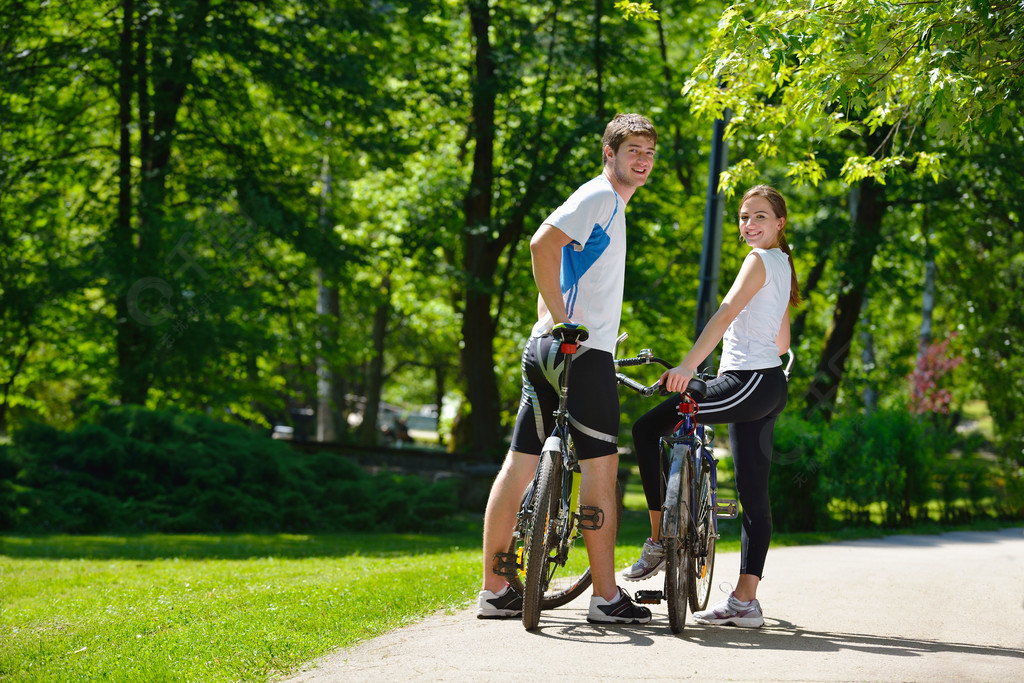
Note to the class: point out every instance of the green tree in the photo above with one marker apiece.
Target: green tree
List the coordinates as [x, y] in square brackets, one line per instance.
[900, 90]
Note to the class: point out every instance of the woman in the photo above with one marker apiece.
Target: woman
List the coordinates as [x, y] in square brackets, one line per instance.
[749, 394]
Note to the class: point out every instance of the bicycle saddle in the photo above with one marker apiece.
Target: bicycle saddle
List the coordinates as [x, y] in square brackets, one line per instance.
[570, 333]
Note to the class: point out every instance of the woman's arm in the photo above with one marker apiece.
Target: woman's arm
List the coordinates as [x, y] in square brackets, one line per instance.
[750, 279]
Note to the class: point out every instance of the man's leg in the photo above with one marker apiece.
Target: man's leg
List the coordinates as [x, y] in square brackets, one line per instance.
[597, 489]
[500, 516]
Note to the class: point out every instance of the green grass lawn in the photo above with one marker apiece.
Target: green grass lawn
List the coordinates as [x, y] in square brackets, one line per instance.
[238, 607]
[215, 607]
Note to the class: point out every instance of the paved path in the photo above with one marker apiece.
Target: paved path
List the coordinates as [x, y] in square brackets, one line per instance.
[903, 608]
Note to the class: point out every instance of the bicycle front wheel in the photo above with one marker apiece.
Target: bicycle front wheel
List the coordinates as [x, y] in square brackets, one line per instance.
[677, 559]
[538, 541]
[702, 555]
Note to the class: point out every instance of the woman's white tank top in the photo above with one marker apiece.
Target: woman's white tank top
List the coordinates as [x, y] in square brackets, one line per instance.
[749, 343]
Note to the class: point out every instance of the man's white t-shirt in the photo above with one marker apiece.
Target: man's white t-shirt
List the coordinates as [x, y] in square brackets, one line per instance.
[594, 263]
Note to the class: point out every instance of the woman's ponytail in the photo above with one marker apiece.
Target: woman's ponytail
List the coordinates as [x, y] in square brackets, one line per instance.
[794, 286]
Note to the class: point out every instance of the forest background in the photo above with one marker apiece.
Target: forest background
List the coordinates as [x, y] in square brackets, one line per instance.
[259, 211]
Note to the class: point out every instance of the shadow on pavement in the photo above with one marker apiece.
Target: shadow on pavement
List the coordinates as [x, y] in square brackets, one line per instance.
[775, 635]
[781, 635]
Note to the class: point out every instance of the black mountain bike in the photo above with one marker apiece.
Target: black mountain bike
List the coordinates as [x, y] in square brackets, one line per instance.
[539, 564]
[690, 513]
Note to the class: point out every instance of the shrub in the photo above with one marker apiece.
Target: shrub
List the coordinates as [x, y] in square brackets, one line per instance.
[799, 500]
[891, 463]
[168, 471]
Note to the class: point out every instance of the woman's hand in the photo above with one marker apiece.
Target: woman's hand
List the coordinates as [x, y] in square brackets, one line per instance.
[676, 379]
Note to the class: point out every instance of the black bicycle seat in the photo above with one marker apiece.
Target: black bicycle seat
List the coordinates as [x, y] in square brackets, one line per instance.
[570, 333]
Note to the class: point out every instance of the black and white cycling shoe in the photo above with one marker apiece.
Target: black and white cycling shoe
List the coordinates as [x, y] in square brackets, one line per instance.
[504, 604]
[619, 611]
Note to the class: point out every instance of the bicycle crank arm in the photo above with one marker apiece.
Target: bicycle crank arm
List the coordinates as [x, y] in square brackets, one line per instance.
[727, 509]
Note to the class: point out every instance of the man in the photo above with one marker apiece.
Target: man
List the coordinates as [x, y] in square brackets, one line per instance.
[579, 261]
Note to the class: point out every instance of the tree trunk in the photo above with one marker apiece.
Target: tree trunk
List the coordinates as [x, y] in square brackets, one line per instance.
[479, 257]
[867, 226]
[329, 423]
[138, 249]
[813, 277]
[867, 358]
[599, 58]
[927, 300]
[368, 432]
[121, 235]
[439, 391]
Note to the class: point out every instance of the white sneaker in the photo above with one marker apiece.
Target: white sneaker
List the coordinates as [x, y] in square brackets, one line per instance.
[732, 612]
[620, 611]
[652, 561]
[501, 605]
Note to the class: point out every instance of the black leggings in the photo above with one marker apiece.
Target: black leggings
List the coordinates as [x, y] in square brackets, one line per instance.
[750, 401]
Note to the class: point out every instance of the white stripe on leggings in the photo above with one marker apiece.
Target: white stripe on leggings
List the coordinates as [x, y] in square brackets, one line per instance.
[736, 399]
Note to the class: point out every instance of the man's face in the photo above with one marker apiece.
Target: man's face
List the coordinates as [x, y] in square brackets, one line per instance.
[632, 164]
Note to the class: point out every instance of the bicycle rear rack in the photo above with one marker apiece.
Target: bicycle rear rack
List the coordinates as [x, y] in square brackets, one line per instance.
[727, 509]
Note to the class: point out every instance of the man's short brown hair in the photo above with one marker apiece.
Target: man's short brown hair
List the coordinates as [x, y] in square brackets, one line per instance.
[624, 125]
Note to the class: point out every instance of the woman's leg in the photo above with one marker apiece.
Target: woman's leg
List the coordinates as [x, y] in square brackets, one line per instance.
[752, 452]
[647, 433]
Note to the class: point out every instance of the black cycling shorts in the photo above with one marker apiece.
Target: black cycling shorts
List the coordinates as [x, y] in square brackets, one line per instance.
[592, 401]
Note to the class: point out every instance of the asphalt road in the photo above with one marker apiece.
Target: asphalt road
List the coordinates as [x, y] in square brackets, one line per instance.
[902, 608]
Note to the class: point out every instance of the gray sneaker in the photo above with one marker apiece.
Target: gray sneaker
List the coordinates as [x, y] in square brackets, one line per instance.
[732, 612]
[652, 561]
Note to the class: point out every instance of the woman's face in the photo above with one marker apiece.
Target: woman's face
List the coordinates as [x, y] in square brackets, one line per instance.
[759, 226]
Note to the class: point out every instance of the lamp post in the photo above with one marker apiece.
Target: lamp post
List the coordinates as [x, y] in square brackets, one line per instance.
[711, 250]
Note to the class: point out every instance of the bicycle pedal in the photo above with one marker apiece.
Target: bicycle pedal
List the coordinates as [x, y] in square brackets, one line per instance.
[505, 564]
[590, 518]
[727, 509]
[650, 597]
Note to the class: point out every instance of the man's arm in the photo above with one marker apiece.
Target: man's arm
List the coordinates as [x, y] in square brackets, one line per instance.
[546, 250]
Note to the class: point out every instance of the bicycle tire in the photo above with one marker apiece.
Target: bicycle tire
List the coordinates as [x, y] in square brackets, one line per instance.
[702, 556]
[677, 561]
[569, 586]
[537, 546]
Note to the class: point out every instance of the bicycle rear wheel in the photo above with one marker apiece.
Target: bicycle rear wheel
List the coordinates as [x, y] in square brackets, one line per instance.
[702, 555]
[677, 560]
[538, 544]
[570, 578]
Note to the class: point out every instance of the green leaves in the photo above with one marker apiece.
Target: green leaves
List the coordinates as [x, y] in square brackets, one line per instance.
[637, 10]
[947, 66]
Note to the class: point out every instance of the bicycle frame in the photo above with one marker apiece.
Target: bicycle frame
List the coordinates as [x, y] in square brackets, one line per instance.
[558, 442]
[683, 443]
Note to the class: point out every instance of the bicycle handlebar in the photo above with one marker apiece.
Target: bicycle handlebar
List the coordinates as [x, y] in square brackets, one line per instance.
[695, 386]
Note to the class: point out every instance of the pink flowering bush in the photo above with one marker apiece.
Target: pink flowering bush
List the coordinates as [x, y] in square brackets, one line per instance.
[927, 395]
